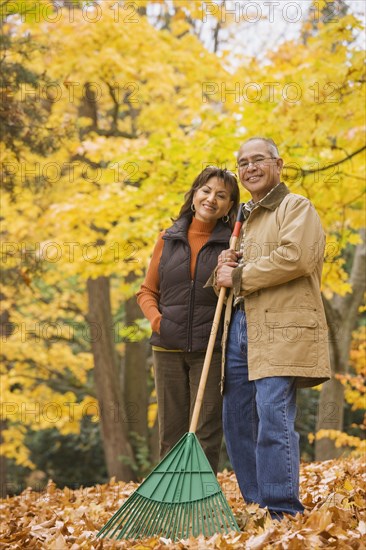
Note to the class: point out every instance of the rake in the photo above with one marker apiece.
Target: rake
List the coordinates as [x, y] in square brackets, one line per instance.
[181, 497]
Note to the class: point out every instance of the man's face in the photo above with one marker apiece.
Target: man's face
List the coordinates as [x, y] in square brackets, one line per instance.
[259, 168]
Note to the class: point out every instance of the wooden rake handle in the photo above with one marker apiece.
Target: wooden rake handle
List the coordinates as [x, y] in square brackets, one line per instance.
[213, 333]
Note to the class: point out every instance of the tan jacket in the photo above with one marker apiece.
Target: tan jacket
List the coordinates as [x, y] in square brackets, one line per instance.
[283, 253]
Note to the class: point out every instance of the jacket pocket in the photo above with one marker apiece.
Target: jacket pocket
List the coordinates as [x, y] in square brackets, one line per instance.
[170, 335]
[292, 337]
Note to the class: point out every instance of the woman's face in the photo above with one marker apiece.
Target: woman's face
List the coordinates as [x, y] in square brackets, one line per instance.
[212, 200]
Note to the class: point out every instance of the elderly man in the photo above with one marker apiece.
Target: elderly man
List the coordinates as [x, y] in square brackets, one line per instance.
[276, 332]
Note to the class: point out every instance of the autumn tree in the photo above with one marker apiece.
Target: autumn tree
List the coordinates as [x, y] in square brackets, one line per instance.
[353, 383]
[24, 133]
[100, 189]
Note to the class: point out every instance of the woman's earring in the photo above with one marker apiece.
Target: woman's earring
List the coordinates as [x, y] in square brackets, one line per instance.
[193, 207]
[226, 218]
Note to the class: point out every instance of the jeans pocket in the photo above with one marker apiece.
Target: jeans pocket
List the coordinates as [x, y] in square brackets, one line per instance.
[236, 355]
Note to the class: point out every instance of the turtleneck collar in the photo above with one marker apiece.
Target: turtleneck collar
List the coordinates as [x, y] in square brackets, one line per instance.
[202, 227]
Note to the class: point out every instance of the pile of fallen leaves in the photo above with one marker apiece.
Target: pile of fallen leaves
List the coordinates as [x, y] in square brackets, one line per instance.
[332, 491]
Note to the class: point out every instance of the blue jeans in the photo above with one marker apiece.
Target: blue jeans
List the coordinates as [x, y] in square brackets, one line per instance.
[258, 421]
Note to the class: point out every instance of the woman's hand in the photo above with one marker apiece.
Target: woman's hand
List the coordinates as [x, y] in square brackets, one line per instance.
[229, 257]
[155, 325]
[227, 261]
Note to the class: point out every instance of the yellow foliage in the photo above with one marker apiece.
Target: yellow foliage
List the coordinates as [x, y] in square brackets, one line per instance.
[354, 393]
[354, 384]
[12, 445]
[342, 439]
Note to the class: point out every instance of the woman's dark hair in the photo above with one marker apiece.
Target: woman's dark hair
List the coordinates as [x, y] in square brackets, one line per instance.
[230, 181]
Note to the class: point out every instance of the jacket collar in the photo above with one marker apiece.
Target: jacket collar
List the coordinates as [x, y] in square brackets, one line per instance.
[273, 198]
[179, 229]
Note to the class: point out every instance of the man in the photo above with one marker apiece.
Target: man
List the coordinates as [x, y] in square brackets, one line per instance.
[277, 340]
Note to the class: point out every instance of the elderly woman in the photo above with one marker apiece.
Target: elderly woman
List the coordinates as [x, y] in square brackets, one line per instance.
[180, 309]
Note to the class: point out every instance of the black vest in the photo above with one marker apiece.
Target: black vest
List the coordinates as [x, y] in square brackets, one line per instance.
[187, 308]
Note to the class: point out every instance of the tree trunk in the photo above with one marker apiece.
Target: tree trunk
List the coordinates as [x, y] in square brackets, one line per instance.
[107, 382]
[3, 465]
[135, 372]
[341, 312]
[6, 329]
[135, 380]
[330, 417]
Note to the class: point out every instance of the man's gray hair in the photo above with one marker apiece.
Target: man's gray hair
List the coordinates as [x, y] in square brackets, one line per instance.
[271, 144]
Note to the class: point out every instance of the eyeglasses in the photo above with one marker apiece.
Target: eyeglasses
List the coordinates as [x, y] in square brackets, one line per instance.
[244, 164]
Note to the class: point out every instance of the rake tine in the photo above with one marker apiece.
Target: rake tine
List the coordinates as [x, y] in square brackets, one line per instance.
[170, 527]
[110, 523]
[194, 516]
[195, 523]
[190, 518]
[224, 521]
[125, 529]
[123, 525]
[219, 507]
[163, 517]
[207, 517]
[181, 520]
[122, 512]
[210, 516]
[169, 519]
[154, 520]
[154, 527]
[176, 522]
[154, 515]
[216, 514]
[202, 519]
[229, 513]
[185, 522]
[135, 527]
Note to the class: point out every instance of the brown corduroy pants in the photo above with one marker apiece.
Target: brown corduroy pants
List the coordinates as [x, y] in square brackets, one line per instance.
[177, 376]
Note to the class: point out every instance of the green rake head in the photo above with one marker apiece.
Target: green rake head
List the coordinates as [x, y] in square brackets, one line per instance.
[179, 499]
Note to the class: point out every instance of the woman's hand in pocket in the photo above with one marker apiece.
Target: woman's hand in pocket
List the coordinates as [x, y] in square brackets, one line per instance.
[155, 325]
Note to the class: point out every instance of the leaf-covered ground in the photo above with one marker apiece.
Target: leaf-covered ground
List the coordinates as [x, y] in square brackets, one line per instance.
[332, 491]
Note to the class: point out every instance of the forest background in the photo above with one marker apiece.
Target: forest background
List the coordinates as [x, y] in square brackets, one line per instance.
[108, 111]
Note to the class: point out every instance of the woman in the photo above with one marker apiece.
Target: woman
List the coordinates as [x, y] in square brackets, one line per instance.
[181, 310]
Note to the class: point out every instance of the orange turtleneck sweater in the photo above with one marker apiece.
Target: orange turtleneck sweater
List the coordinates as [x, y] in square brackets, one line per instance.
[148, 295]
